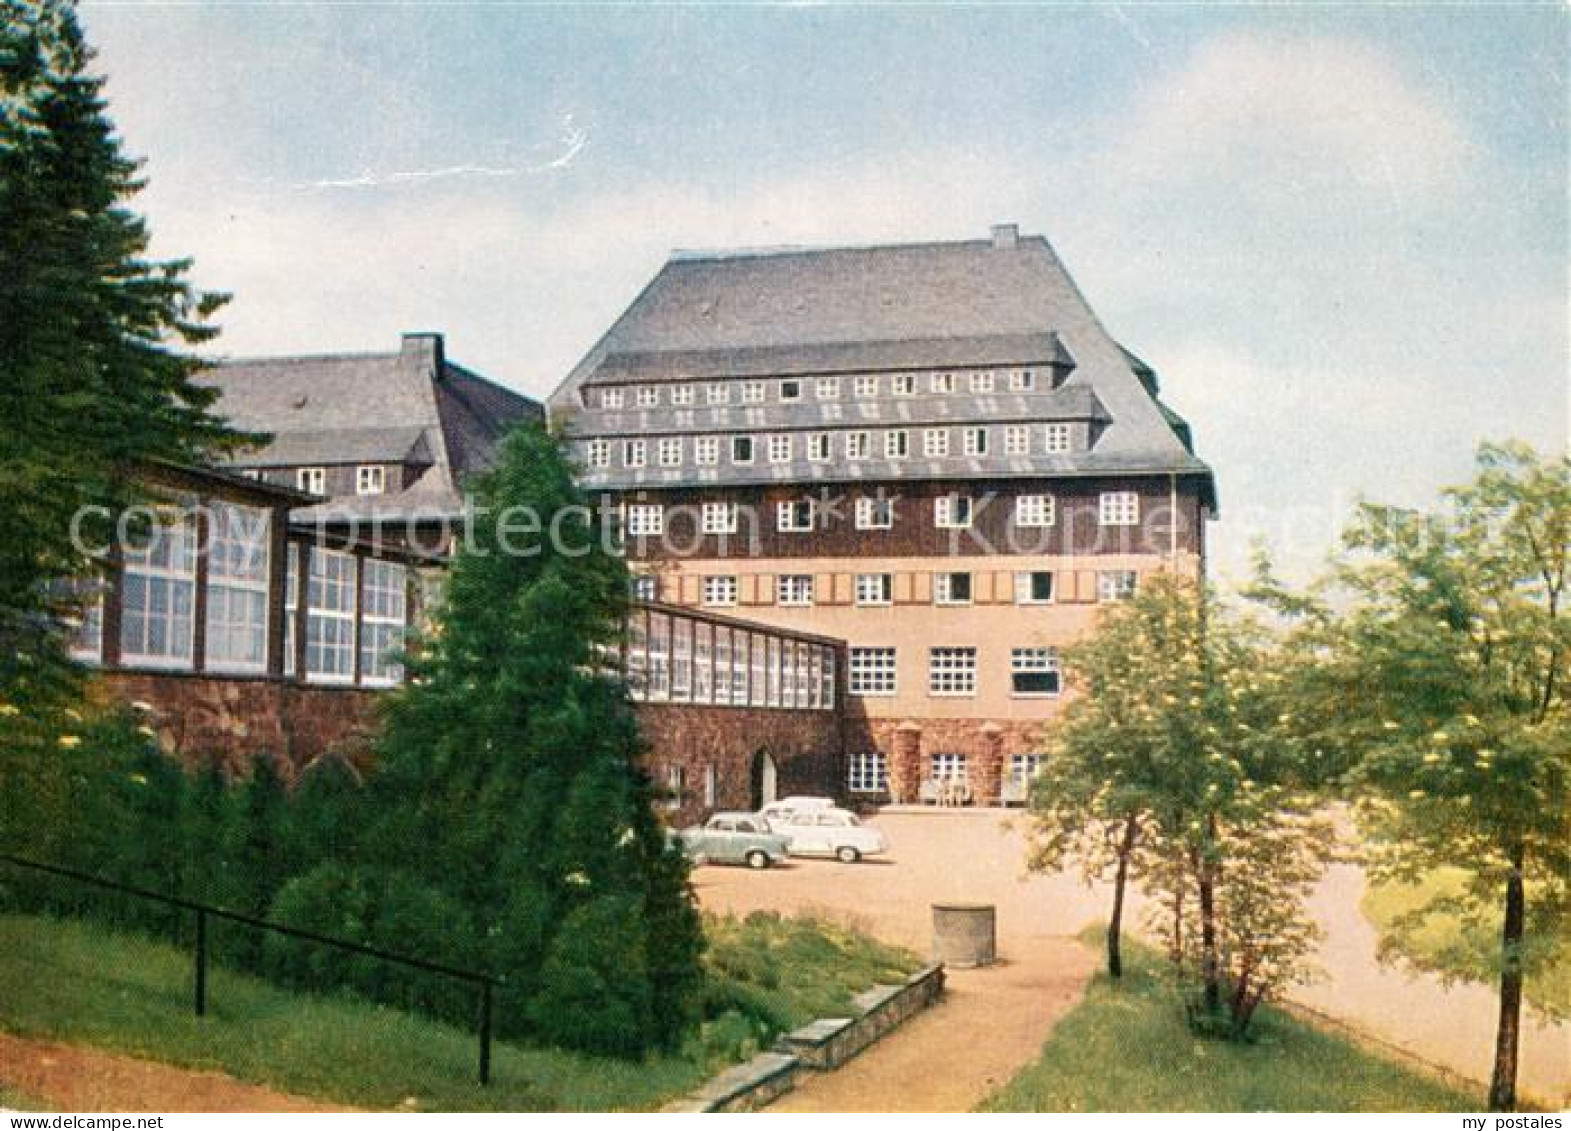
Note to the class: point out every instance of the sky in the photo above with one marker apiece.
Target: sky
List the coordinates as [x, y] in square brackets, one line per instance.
[1338, 233]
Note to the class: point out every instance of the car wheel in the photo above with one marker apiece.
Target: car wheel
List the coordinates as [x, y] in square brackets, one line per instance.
[757, 859]
[847, 855]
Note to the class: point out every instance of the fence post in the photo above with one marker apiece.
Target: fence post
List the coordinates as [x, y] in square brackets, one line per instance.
[485, 1033]
[201, 962]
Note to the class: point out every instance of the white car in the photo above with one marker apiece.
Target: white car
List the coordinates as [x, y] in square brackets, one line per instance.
[830, 832]
[783, 809]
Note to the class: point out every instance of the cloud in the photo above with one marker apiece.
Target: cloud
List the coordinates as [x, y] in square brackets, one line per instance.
[1251, 109]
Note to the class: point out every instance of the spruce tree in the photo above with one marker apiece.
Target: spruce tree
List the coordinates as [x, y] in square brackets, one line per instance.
[95, 337]
[510, 776]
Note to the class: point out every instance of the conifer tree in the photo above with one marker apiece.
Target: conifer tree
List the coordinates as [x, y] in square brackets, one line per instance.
[95, 362]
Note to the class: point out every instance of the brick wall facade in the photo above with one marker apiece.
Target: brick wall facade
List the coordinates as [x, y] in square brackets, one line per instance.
[909, 746]
[237, 719]
[732, 743]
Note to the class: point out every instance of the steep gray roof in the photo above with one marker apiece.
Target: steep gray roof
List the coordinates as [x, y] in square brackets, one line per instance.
[994, 303]
[411, 406]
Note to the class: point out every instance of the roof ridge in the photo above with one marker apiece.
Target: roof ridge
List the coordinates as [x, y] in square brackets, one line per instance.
[707, 255]
[302, 358]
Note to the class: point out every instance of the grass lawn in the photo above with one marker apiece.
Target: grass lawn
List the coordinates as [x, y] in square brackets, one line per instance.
[1444, 943]
[78, 982]
[1127, 1047]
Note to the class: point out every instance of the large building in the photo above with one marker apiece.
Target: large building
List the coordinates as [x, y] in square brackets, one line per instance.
[385, 439]
[935, 452]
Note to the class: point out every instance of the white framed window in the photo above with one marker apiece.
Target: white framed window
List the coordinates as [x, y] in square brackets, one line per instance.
[752, 392]
[818, 446]
[1024, 768]
[598, 453]
[312, 480]
[648, 396]
[859, 445]
[1056, 438]
[237, 583]
[741, 449]
[719, 590]
[723, 664]
[794, 589]
[875, 588]
[646, 587]
[1033, 673]
[950, 767]
[370, 479]
[952, 512]
[872, 671]
[681, 394]
[790, 391]
[1034, 587]
[897, 443]
[943, 383]
[85, 622]
[658, 657]
[982, 382]
[794, 516]
[975, 441]
[634, 453]
[951, 671]
[158, 597]
[827, 388]
[706, 450]
[875, 513]
[867, 771]
[717, 392]
[1115, 584]
[675, 786]
[952, 588]
[611, 398]
[384, 615]
[780, 448]
[644, 519]
[902, 384]
[866, 386]
[1119, 508]
[330, 616]
[935, 443]
[1017, 440]
[1035, 510]
[670, 452]
[1022, 381]
[719, 518]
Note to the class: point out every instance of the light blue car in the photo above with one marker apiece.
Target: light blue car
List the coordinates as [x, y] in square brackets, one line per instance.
[734, 838]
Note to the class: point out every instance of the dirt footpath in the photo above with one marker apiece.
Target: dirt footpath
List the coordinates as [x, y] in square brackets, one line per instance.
[992, 1022]
[75, 1078]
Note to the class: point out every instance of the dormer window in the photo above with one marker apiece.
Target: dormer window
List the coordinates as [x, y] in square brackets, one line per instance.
[982, 382]
[670, 452]
[633, 452]
[867, 386]
[975, 441]
[370, 480]
[1057, 438]
[610, 398]
[790, 390]
[858, 445]
[897, 444]
[648, 396]
[753, 392]
[599, 453]
[902, 384]
[741, 449]
[1022, 381]
[935, 443]
[827, 388]
[681, 394]
[312, 479]
[1017, 440]
[943, 382]
[718, 393]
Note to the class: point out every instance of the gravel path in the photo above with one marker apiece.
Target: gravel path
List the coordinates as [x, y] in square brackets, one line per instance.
[77, 1078]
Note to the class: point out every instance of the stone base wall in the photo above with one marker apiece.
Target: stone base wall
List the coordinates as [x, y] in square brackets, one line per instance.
[909, 746]
[732, 743]
[238, 719]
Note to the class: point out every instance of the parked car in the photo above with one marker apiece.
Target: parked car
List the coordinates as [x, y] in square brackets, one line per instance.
[786, 806]
[734, 838]
[830, 832]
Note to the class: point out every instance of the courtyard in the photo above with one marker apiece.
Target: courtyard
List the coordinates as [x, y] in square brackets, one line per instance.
[994, 1021]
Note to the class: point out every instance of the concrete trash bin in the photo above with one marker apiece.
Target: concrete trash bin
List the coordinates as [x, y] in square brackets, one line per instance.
[965, 934]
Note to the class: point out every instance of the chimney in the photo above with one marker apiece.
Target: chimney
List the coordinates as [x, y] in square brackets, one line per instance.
[1006, 236]
[427, 346]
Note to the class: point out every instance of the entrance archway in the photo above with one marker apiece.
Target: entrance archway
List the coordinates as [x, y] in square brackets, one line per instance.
[765, 779]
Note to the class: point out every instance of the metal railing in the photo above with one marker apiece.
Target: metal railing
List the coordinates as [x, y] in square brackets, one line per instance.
[204, 911]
